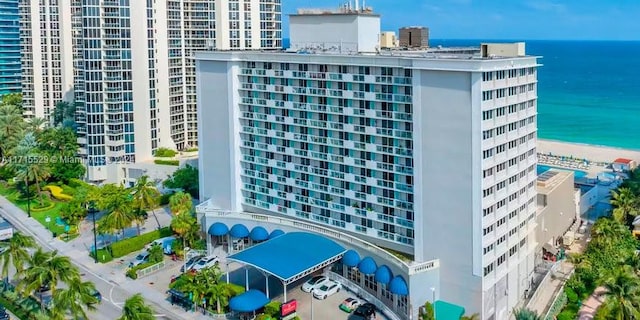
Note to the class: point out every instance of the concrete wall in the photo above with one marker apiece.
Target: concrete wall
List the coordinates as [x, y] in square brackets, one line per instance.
[503, 49]
[351, 32]
[588, 200]
[217, 136]
[388, 39]
[442, 169]
[556, 218]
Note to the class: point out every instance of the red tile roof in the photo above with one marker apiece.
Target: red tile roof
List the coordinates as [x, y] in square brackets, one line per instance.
[623, 160]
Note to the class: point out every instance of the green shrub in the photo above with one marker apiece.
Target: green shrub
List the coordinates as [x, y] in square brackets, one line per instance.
[263, 317]
[572, 296]
[235, 289]
[167, 162]
[68, 190]
[567, 315]
[272, 308]
[76, 183]
[104, 255]
[131, 273]
[124, 247]
[164, 199]
[165, 153]
[191, 150]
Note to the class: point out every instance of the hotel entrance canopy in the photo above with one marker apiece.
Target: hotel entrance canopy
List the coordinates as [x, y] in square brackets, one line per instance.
[291, 256]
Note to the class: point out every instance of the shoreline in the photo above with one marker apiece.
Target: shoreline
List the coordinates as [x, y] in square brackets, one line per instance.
[586, 151]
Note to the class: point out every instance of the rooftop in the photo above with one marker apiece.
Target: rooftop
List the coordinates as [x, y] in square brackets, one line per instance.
[550, 179]
[288, 257]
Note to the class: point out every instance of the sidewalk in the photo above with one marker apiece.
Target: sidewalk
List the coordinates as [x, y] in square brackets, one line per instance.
[79, 256]
[591, 305]
[548, 291]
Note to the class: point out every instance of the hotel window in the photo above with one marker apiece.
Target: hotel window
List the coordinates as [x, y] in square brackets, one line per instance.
[487, 173]
[501, 167]
[488, 269]
[513, 250]
[501, 259]
[487, 154]
[513, 214]
[501, 148]
[500, 74]
[487, 211]
[370, 283]
[523, 72]
[501, 203]
[487, 95]
[500, 111]
[502, 221]
[487, 134]
[512, 91]
[487, 115]
[487, 76]
[513, 231]
[513, 73]
[487, 230]
[500, 93]
[501, 185]
[488, 249]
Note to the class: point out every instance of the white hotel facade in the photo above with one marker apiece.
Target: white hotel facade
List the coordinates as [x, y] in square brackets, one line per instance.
[431, 153]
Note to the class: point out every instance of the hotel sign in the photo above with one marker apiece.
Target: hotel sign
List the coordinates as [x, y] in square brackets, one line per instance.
[6, 234]
[288, 309]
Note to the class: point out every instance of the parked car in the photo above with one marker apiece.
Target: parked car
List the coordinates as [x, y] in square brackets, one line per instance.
[313, 283]
[139, 259]
[190, 263]
[166, 243]
[205, 262]
[96, 294]
[350, 304]
[329, 288]
[366, 311]
[3, 313]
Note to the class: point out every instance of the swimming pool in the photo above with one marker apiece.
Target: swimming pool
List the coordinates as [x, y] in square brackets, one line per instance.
[577, 173]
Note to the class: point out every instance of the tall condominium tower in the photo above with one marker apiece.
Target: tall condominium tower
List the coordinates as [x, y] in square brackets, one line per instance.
[127, 66]
[431, 153]
[46, 55]
[10, 53]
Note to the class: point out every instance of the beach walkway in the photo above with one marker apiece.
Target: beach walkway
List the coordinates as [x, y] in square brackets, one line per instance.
[591, 305]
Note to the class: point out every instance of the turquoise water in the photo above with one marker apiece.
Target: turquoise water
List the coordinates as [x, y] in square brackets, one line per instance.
[589, 91]
[578, 174]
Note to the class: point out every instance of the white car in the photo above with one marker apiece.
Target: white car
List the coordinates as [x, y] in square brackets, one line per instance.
[205, 262]
[327, 289]
[313, 283]
[139, 259]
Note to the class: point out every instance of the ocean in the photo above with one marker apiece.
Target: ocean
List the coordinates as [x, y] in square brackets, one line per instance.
[589, 91]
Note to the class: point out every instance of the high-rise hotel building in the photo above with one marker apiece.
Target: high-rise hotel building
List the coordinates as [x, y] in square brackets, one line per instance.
[127, 65]
[10, 43]
[430, 153]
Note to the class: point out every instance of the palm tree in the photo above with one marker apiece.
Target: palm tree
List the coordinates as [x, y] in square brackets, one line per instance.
[16, 253]
[136, 309]
[73, 212]
[625, 204]
[34, 171]
[11, 127]
[180, 202]
[146, 196]
[622, 294]
[47, 269]
[117, 201]
[186, 227]
[605, 230]
[35, 124]
[76, 299]
[526, 314]
[220, 293]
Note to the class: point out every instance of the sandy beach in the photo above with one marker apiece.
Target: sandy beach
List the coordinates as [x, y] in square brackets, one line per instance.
[584, 151]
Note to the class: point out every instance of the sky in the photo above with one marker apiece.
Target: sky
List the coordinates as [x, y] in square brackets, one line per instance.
[503, 19]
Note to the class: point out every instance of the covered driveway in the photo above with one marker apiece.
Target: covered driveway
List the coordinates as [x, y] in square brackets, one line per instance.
[289, 257]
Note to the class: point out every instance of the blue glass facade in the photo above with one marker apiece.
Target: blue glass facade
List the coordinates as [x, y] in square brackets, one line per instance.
[10, 72]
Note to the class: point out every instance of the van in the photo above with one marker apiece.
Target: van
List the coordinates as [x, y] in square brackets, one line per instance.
[166, 244]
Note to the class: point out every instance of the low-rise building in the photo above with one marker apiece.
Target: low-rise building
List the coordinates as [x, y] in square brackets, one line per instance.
[556, 211]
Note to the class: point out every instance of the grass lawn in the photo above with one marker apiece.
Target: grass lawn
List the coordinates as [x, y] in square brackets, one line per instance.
[53, 213]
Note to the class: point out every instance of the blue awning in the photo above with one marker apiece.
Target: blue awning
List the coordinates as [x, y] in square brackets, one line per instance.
[249, 301]
[351, 258]
[239, 231]
[276, 233]
[398, 286]
[259, 234]
[383, 274]
[218, 229]
[367, 266]
[448, 311]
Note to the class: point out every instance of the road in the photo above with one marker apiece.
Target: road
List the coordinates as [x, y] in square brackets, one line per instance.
[113, 295]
